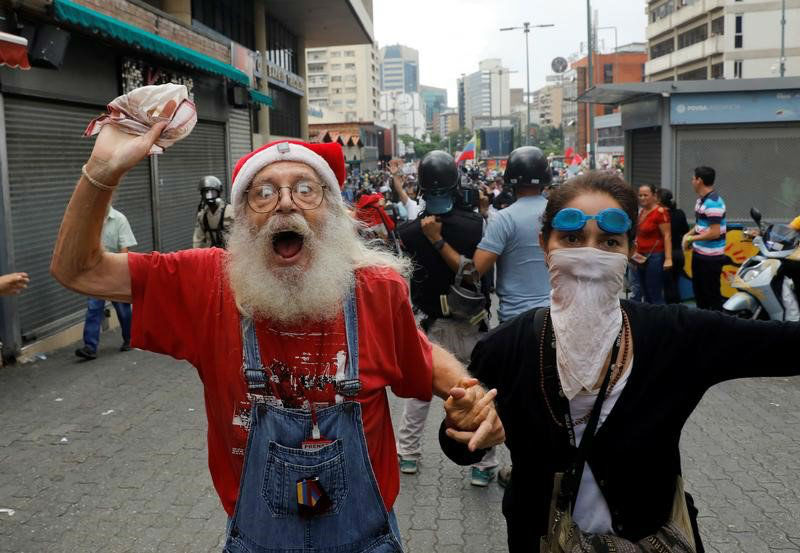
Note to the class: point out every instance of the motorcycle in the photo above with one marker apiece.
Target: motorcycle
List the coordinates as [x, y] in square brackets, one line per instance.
[763, 291]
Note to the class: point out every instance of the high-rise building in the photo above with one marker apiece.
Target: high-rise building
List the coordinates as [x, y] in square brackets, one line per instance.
[399, 68]
[569, 109]
[462, 107]
[487, 98]
[547, 105]
[345, 79]
[435, 101]
[720, 39]
[626, 65]
[446, 122]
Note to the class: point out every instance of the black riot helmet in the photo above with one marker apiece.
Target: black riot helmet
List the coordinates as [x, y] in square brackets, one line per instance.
[528, 166]
[438, 178]
[210, 189]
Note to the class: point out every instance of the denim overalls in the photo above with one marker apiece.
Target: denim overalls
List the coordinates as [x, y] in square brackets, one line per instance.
[266, 518]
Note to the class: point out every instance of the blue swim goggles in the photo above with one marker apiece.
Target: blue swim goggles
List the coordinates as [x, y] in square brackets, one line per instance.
[611, 220]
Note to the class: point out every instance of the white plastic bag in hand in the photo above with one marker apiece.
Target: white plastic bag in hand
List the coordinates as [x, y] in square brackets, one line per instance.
[140, 109]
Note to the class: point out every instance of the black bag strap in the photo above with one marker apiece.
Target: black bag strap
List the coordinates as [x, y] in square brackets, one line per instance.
[572, 479]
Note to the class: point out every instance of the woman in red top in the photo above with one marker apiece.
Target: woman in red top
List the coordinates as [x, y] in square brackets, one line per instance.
[651, 257]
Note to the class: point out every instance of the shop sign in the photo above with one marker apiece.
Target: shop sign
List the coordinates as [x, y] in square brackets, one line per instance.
[136, 73]
[244, 60]
[279, 76]
[735, 107]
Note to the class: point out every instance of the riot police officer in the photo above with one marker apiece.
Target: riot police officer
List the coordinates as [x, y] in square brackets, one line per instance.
[512, 242]
[442, 241]
[214, 215]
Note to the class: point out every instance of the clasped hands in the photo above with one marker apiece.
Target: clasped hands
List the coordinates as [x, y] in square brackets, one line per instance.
[471, 416]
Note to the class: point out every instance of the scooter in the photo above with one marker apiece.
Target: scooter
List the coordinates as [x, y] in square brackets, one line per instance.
[762, 290]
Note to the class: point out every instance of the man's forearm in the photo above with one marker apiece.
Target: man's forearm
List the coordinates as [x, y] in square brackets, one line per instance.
[397, 182]
[447, 371]
[78, 248]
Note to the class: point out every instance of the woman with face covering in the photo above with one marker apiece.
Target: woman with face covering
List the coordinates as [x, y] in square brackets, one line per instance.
[652, 257]
[594, 391]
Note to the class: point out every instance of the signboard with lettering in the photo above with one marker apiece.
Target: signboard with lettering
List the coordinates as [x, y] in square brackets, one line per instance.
[735, 107]
[279, 76]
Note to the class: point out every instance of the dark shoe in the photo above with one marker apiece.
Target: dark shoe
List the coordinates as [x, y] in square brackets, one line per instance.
[504, 476]
[126, 346]
[86, 353]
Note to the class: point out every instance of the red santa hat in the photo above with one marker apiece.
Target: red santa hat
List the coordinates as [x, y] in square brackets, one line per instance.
[326, 159]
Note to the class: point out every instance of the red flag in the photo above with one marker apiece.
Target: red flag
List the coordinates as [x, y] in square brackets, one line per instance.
[568, 155]
[576, 160]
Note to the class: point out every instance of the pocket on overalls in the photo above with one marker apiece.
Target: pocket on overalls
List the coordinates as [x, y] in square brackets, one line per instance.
[286, 466]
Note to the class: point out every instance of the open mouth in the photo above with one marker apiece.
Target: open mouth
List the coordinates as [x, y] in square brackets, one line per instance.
[287, 244]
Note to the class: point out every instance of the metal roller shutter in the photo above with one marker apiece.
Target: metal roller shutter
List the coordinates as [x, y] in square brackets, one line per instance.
[239, 133]
[45, 153]
[646, 157]
[756, 167]
[179, 170]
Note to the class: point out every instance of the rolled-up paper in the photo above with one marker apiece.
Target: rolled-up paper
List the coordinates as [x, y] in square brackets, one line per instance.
[138, 110]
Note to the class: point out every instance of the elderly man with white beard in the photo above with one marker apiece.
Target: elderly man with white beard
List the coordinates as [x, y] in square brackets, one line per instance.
[296, 332]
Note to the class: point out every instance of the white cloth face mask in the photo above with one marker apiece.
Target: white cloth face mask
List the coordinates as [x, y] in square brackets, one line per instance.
[586, 286]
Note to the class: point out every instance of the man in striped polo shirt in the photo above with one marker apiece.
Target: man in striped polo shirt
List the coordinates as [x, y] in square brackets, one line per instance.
[707, 240]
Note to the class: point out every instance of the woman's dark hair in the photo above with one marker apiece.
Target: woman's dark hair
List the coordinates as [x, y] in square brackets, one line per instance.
[666, 198]
[653, 189]
[592, 182]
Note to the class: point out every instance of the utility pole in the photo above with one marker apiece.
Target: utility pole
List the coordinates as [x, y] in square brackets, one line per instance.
[589, 79]
[783, 38]
[528, 85]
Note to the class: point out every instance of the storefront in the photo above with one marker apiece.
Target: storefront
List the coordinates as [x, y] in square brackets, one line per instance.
[43, 113]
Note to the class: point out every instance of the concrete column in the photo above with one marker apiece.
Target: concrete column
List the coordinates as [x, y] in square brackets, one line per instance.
[302, 70]
[260, 24]
[179, 9]
[667, 147]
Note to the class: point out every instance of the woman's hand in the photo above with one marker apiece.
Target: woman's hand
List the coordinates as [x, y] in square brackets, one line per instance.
[471, 416]
[116, 152]
[13, 283]
[667, 264]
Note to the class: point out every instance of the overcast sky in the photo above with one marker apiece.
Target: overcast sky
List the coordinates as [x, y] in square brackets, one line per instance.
[452, 36]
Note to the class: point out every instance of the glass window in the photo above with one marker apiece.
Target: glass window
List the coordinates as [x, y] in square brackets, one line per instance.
[718, 26]
[284, 115]
[336, 66]
[738, 38]
[281, 45]
[336, 54]
[737, 69]
[693, 36]
[662, 48]
[233, 18]
[608, 72]
[717, 71]
[695, 75]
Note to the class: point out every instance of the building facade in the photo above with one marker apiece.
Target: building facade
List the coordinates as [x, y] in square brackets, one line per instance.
[487, 96]
[446, 122]
[547, 104]
[404, 111]
[626, 65]
[399, 69]
[435, 101]
[720, 39]
[345, 79]
[243, 66]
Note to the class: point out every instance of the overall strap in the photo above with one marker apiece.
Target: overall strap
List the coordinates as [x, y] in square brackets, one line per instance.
[351, 385]
[253, 368]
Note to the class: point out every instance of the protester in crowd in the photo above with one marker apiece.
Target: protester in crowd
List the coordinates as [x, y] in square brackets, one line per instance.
[441, 244]
[594, 392]
[512, 237]
[707, 240]
[214, 215]
[678, 229]
[331, 316]
[116, 237]
[652, 258]
[12, 284]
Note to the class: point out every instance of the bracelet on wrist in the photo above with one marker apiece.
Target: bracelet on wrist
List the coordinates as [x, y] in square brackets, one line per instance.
[96, 183]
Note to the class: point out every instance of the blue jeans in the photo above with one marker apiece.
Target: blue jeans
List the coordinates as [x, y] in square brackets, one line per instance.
[94, 318]
[651, 278]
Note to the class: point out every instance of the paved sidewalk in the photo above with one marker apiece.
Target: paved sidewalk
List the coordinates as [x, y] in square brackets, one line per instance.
[110, 456]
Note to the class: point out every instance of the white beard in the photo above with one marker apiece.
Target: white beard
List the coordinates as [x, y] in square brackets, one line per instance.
[311, 291]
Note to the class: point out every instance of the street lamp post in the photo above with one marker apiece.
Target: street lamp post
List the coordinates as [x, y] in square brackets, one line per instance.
[589, 79]
[527, 29]
[783, 38]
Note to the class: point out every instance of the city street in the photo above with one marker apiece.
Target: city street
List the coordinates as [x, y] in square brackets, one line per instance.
[110, 456]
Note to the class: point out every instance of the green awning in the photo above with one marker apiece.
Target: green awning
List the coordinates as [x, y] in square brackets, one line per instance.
[70, 12]
[260, 97]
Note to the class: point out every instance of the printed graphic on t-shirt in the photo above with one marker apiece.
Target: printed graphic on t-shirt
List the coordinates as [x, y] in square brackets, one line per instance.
[303, 370]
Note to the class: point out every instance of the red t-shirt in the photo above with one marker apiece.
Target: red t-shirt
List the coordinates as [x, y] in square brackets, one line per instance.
[183, 307]
[648, 236]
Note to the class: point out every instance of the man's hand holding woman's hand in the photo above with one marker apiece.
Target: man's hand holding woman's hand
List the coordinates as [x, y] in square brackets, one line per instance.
[471, 416]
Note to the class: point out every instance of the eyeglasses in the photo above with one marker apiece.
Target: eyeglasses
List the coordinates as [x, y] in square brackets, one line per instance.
[611, 220]
[264, 198]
